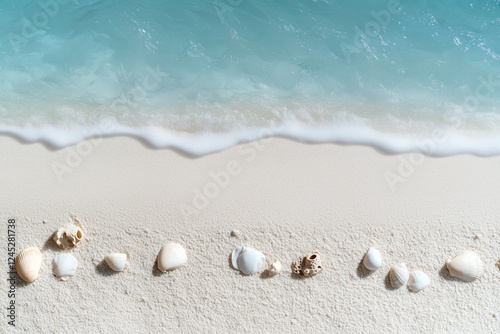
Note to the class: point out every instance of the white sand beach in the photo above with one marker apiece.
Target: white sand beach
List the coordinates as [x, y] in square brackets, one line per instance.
[281, 197]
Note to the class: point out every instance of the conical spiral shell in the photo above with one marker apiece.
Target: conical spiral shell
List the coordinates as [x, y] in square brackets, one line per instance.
[28, 264]
[171, 256]
[398, 275]
[467, 266]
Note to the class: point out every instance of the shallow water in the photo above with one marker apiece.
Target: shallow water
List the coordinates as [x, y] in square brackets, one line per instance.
[204, 75]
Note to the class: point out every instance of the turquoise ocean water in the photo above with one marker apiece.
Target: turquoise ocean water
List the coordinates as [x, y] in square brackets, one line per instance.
[202, 76]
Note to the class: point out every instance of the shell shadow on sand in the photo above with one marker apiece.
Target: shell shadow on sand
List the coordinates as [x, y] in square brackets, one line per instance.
[19, 282]
[104, 270]
[361, 271]
[265, 274]
[50, 244]
[444, 273]
[155, 271]
[387, 282]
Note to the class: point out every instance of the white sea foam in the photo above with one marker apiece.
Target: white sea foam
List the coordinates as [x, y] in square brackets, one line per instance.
[439, 142]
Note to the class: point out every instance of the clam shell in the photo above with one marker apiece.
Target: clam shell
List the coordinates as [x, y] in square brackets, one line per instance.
[247, 260]
[68, 236]
[64, 266]
[418, 281]
[116, 261]
[372, 259]
[28, 263]
[275, 268]
[171, 256]
[467, 266]
[398, 275]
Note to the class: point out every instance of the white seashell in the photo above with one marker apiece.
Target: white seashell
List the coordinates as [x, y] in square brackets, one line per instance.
[116, 261]
[275, 268]
[247, 260]
[64, 266]
[68, 236]
[466, 266]
[28, 264]
[307, 265]
[171, 256]
[373, 259]
[418, 281]
[398, 275]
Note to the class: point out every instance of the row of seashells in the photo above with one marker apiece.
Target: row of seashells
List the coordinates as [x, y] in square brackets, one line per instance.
[29, 260]
[466, 266]
[250, 261]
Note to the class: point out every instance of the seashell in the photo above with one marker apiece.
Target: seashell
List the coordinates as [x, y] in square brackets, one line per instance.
[418, 281]
[171, 256]
[307, 265]
[467, 266]
[247, 260]
[372, 259]
[64, 266]
[116, 261]
[28, 263]
[275, 268]
[398, 275]
[68, 236]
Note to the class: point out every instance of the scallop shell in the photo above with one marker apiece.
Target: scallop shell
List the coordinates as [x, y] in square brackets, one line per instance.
[418, 281]
[68, 236]
[398, 275]
[275, 268]
[28, 264]
[307, 265]
[171, 256]
[247, 260]
[372, 259]
[64, 266]
[466, 266]
[116, 261]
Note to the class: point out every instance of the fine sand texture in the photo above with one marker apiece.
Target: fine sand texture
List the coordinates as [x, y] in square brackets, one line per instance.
[281, 197]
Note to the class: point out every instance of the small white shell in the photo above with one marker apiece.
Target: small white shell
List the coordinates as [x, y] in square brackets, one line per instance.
[68, 236]
[275, 268]
[28, 264]
[418, 281]
[64, 266]
[171, 256]
[466, 266]
[398, 275]
[373, 259]
[116, 261]
[247, 260]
